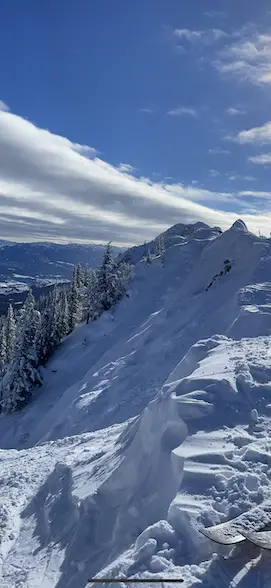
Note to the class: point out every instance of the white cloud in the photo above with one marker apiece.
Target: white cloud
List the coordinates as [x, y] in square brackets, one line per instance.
[215, 14]
[263, 159]
[3, 106]
[256, 194]
[234, 177]
[85, 150]
[214, 173]
[218, 151]
[126, 168]
[188, 34]
[207, 37]
[49, 190]
[261, 135]
[235, 111]
[183, 111]
[146, 110]
[247, 58]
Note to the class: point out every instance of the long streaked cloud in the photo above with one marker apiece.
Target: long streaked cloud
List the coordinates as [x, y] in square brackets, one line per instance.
[255, 194]
[215, 14]
[183, 111]
[208, 37]
[235, 111]
[219, 151]
[53, 189]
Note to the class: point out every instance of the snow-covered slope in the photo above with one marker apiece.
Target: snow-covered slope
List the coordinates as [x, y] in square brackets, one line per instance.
[172, 236]
[152, 422]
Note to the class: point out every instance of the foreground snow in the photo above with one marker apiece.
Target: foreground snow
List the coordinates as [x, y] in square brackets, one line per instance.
[155, 424]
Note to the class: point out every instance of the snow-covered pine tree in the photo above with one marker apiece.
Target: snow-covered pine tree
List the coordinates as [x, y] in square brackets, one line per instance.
[55, 334]
[124, 274]
[63, 314]
[10, 333]
[80, 275]
[107, 280]
[74, 302]
[22, 373]
[160, 248]
[93, 308]
[148, 258]
[87, 276]
[44, 338]
[160, 245]
[3, 349]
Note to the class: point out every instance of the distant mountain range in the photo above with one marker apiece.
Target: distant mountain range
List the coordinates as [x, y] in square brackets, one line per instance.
[28, 262]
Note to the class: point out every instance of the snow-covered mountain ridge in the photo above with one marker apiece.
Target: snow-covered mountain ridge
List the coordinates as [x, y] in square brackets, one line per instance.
[144, 429]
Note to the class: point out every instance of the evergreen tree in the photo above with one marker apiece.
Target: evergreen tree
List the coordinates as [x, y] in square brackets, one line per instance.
[10, 333]
[80, 275]
[93, 307]
[160, 245]
[54, 335]
[44, 338]
[64, 315]
[107, 280]
[148, 258]
[87, 276]
[22, 373]
[3, 349]
[124, 273]
[74, 302]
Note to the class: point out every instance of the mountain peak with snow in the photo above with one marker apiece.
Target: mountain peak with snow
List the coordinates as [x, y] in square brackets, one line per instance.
[145, 428]
[172, 236]
[239, 225]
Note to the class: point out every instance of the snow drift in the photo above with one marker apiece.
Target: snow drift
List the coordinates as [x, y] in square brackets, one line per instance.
[152, 422]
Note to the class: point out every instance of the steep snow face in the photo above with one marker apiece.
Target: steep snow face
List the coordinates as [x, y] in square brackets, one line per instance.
[152, 422]
[108, 372]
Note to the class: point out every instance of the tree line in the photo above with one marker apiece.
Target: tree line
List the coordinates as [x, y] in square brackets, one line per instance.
[29, 337]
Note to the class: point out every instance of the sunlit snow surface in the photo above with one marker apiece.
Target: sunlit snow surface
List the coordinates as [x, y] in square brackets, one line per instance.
[144, 431]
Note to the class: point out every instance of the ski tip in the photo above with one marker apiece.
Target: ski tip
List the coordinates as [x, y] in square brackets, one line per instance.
[218, 536]
[261, 539]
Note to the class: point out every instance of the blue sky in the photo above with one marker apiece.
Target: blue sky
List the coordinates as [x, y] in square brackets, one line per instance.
[121, 118]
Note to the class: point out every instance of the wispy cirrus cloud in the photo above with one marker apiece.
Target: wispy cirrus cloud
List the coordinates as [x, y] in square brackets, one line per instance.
[207, 37]
[3, 106]
[245, 53]
[85, 150]
[146, 110]
[183, 111]
[219, 151]
[248, 57]
[214, 173]
[235, 111]
[215, 14]
[126, 168]
[238, 177]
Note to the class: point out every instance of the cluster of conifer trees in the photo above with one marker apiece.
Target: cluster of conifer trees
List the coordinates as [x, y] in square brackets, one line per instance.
[30, 336]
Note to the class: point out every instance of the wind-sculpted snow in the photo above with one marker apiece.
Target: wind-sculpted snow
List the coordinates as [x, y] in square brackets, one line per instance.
[152, 423]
